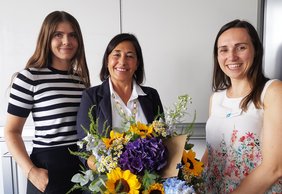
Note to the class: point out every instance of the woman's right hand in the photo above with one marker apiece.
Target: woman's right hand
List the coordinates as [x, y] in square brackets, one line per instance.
[39, 178]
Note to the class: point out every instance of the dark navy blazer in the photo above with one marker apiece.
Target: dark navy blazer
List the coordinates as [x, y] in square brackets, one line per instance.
[101, 98]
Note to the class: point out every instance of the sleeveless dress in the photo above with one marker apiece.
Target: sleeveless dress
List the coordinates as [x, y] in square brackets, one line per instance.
[234, 143]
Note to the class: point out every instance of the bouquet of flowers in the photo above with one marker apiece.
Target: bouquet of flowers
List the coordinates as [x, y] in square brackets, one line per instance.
[138, 158]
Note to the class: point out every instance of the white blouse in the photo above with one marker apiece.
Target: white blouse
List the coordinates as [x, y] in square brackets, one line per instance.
[129, 108]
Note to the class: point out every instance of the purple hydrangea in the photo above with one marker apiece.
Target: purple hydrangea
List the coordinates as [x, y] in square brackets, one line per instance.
[144, 154]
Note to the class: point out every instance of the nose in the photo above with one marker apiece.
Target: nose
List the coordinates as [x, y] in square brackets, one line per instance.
[233, 55]
[65, 40]
[122, 59]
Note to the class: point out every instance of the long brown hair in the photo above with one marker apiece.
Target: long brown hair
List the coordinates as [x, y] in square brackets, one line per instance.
[42, 56]
[255, 74]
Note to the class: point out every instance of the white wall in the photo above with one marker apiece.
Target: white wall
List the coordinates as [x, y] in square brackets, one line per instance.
[20, 22]
[176, 37]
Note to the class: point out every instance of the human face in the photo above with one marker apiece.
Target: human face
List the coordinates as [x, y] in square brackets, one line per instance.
[122, 62]
[64, 45]
[235, 53]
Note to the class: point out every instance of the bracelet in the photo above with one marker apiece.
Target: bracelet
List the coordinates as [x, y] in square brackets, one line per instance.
[29, 171]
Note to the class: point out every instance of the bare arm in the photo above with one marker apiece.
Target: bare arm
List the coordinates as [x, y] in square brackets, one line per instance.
[205, 158]
[205, 155]
[13, 137]
[270, 170]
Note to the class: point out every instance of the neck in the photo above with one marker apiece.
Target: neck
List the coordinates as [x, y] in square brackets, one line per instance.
[62, 65]
[239, 89]
[124, 90]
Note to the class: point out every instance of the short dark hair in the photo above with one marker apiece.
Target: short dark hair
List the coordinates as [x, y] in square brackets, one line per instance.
[139, 74]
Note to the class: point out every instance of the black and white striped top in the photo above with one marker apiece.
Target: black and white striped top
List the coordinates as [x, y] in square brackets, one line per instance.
[53, 97]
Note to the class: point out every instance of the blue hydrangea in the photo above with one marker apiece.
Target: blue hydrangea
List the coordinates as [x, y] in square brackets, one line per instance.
[176, 186]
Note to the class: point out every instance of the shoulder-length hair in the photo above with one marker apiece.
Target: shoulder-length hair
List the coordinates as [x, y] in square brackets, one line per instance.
[42, 56]
[255, 74]
[139, 74]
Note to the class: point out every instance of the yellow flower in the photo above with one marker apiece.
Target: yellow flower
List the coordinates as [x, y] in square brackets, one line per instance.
[191, 165]
[155, 188]
[141, 129]
[159, 128]
[113, 135]
[122, 182]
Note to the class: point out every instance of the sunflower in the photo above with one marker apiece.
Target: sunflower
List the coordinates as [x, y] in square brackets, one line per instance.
[113, 135]
[141, 129]
[122, 182]
[156, 188]
[191, 165]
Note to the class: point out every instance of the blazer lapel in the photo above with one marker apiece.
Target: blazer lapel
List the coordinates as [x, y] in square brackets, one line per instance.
[147, 107]
[105, 108]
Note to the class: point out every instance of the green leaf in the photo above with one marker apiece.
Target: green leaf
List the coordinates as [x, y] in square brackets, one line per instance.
[149, 179]
[98, 185]
[80, 154]
[75, 187]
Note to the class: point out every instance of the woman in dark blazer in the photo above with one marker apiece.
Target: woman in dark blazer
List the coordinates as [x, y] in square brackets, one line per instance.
[121, 94]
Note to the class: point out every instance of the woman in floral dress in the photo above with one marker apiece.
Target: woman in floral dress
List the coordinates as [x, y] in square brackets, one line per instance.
[244, 130]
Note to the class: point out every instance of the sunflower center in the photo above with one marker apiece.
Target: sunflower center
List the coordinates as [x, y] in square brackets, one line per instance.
[143, 130]
[191, 164]
[155, 192]
[122, 186]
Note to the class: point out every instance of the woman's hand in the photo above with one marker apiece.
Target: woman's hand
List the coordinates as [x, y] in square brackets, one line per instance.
[39, 178]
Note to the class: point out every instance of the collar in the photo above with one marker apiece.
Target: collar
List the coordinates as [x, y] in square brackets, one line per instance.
[136, 91]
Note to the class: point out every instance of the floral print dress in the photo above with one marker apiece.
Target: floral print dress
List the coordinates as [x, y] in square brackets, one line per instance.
[234, 144]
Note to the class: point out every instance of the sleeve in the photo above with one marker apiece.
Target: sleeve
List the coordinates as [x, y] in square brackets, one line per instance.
[21, 95]
[82, 119]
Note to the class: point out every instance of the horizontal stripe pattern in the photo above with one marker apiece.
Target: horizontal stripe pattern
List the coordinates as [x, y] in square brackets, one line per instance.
[53, 98]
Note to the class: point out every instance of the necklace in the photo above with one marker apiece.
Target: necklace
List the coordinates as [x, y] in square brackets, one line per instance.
[121, 111]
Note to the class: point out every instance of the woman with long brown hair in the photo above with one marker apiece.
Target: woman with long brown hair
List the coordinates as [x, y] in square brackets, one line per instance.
[244, 129]
[49, 88]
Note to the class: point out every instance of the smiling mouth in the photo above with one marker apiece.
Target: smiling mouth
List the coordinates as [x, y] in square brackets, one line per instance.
[121, 69]
[66, 49]
[234, 66]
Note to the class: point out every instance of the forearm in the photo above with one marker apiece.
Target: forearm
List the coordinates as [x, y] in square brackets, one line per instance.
[204, 158]
[259, 181]
[17, 148]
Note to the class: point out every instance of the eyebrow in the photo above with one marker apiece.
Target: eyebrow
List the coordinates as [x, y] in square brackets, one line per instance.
[58, 31]
[116, 50]
[237, 44]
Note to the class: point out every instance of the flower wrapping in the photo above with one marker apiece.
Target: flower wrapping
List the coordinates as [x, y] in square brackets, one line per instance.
[173, 145]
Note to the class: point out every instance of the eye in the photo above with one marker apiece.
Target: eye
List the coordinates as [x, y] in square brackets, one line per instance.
[131, 55]
[116, 54]
[241, 48]
[58, 35]
[73, 35]
[222, 50]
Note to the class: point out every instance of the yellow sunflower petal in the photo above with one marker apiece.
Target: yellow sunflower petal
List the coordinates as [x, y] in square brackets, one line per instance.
[155, 188]
[129, 181]
[191, 165]
[113, 135]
